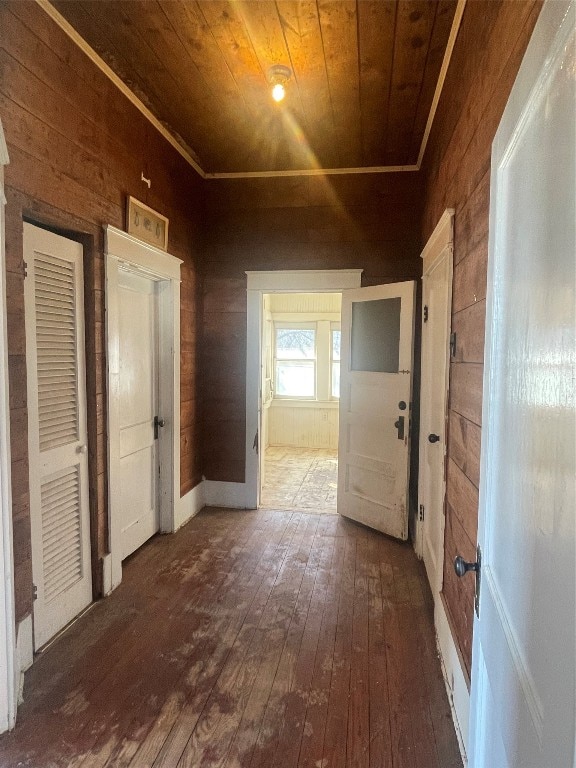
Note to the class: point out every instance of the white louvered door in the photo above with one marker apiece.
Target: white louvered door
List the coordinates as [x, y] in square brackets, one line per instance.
[57, 435]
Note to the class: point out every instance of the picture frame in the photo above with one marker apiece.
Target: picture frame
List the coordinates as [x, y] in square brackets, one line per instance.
[146, 224]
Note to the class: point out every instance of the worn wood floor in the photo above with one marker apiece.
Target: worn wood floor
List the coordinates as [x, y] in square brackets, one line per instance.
[268, 639]
[300, 479]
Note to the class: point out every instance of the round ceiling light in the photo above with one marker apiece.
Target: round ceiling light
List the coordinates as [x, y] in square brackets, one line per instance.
[278, 76]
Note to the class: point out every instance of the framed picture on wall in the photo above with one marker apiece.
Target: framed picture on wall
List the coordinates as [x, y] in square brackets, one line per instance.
[146, 224]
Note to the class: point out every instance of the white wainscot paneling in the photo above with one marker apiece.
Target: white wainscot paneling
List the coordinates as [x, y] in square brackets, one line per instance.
[303, 427]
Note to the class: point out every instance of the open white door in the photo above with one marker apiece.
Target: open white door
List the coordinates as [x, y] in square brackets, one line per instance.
[375, 395]
[524, 651]
[57, 432]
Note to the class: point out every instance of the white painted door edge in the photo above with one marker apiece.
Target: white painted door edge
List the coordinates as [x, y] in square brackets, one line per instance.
[123, 250]
[257, 284]
[442, 238]
[440, 241]
[9, 671]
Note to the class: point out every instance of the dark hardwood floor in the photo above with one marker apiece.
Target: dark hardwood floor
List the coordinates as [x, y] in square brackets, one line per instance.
[263, 639]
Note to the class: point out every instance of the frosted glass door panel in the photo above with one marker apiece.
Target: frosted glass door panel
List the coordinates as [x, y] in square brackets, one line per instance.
[376, 335]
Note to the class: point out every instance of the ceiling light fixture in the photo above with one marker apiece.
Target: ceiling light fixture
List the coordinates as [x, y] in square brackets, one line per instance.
[278, 76]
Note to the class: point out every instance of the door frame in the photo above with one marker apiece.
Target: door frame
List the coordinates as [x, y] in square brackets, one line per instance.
[124, 251]
[8, 663]
[257, 284]
[439, 246]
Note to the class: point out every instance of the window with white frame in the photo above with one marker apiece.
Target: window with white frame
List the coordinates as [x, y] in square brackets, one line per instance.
[295, 360]
[307, 360]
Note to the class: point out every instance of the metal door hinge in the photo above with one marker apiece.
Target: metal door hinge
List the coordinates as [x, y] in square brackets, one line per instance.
[34, 592]
[452, 345]
[426, 313]
[421, 513]
[158, 423]
[24, 268]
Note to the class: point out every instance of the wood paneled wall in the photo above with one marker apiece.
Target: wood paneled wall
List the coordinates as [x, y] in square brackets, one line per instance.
[487, 55]
[77, 148]
[337, 222]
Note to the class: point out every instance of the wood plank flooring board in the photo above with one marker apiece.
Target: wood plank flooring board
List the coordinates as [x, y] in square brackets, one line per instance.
[187, 720]
[118, 677]
[164, 669]
[284, 680]
[336, 733]
[287, 749]
[294, 725]
[250, 639]
[312, 743]
[271, 634]
[152, 745]
[320, 559]
[359, 696]
[380, 738]
[194, 662]
[267, 637]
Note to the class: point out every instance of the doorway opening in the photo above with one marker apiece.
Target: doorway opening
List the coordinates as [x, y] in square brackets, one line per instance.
[300, 385]
[260, 283]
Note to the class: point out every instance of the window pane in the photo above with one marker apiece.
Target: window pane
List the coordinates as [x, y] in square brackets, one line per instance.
[295, 344]
[295, 379]
[336, 378]
[336, 345]
[376, 335]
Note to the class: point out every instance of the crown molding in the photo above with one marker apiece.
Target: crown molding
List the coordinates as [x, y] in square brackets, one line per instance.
[66, 27]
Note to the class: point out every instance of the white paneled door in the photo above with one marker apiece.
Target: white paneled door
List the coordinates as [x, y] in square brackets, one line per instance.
[57, 434]
[524, 652]
[436, 307]
[138, 409]
[375, 398]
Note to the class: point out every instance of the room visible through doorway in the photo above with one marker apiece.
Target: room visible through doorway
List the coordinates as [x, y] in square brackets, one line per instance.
[300, 367]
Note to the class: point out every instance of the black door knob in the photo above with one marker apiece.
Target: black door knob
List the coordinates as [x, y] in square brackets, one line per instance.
[433, 438]
[462, 567]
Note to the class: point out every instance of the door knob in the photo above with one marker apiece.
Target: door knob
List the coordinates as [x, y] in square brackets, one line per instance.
[399, 425]
[462, 567]
[432, 438]
[82, 449]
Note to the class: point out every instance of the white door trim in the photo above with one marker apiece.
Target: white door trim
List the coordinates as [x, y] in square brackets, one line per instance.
[258, 283]
[8, 666]
[439, 246]
[124, 251]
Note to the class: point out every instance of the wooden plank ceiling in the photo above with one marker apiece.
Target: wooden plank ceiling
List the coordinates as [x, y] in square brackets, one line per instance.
[364, 75]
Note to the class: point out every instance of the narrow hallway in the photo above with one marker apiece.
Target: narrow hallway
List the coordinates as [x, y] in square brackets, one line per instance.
[252, 638]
